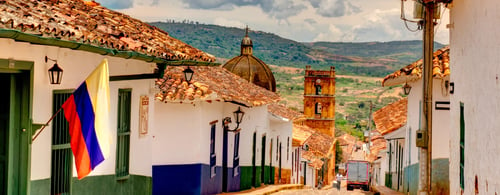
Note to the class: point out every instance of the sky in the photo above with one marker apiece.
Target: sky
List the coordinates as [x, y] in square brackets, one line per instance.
[299, 20]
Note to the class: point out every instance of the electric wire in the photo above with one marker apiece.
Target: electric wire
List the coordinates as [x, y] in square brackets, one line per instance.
[403, 17]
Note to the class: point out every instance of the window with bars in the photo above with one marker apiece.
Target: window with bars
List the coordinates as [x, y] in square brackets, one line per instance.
[212, 150]
[61, 163]
[123, 134]
[462, 145]
[236, 159]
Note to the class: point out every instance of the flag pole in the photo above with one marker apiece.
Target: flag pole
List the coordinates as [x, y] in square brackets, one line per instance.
[46, 124]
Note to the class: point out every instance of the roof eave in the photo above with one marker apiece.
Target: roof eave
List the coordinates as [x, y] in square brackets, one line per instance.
[397, 133]
[400, 80]
[277, 118]
[40, 40]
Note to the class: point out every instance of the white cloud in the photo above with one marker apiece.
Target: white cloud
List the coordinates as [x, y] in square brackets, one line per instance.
[333, 34]
[293, 19]
[228, 22]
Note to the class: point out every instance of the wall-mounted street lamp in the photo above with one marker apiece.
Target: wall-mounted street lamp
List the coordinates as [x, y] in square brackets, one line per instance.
[188, 74]
[238, 115]
[55, 72]
[407, 89]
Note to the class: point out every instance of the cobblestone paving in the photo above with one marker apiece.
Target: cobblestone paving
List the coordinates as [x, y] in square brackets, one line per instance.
[332, 191]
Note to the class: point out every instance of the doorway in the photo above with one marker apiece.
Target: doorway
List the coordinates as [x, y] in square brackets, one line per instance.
[271, 168]
[14, 130]
[254, 168]
[263, 160]
[279, 166]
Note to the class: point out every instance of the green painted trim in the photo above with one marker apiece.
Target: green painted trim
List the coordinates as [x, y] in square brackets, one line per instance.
[105, 184]
[39, 40]
[17, 65]
[20, 125]
[246, 176]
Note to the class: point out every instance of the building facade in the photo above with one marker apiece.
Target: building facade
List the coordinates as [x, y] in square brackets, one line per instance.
[411, 75]
[31, 44]
[319, 109]
[474, 97]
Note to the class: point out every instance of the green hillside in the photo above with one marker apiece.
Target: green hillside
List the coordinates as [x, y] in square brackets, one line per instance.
[370, 59]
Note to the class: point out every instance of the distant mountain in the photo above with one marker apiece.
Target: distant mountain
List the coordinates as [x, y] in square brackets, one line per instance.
[371, 59]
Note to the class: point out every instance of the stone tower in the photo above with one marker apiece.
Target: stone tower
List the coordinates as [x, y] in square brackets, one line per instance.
[319, 100]
[319, 110]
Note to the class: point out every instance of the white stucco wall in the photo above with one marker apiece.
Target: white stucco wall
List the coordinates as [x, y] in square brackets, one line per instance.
[475, 67]
[77, 65]
[283, 129]
[440, 119]
[297, 171]
[182, 134]
[255, 120]
[310, 176]
[382, 167]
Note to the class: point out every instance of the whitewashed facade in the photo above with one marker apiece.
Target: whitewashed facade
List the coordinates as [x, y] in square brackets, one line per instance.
[77, 65]
[440, 134]
[475, 64]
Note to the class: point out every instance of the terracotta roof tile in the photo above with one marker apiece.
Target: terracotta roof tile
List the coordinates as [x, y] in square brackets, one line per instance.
[346, 139]
[89, 23]
[320, 144]
[283, 111]
[413, 72]
[211, 84]
[300, 134]
[314, 161]
[378, 144]
[391, 117]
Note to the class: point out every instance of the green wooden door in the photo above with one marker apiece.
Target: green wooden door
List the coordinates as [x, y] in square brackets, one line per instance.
[4, 129]
[15, 125]
[14, 133]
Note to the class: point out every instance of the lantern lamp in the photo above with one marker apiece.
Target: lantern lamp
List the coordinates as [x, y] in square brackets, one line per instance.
[188, 74]
[407, 89]
[55, 72]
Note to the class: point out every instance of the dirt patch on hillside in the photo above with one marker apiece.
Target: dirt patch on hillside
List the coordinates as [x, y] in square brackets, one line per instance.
[289, 70]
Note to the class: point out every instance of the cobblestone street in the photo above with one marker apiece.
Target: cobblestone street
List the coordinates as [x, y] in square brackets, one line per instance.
[331, 191]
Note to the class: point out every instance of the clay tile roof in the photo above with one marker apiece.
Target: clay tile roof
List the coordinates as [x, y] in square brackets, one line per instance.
[300, 134]
[314, 161]
[347, 139]
[413, 72]
[283, 111]
[320, 144]
[378, 144]
[211, 84]
[391, 117]
[86, 22]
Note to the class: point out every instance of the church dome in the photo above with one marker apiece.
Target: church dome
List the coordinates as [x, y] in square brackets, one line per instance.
[251, 68]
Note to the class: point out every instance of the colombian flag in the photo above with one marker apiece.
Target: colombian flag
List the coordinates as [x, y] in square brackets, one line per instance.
[87, 112]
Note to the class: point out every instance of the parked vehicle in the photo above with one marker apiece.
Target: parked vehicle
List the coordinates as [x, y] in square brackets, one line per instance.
[358, 175]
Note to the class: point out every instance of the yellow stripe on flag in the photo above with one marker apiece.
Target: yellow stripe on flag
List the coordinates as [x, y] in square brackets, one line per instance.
[98, 88]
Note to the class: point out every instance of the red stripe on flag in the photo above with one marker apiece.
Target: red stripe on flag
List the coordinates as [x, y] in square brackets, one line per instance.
[78, 146]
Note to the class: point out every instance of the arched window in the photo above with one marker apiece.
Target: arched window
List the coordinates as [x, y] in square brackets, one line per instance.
[317, 108]
[318, 89]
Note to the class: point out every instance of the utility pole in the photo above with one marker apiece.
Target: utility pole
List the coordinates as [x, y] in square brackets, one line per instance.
[370, 128]
[428, 47]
